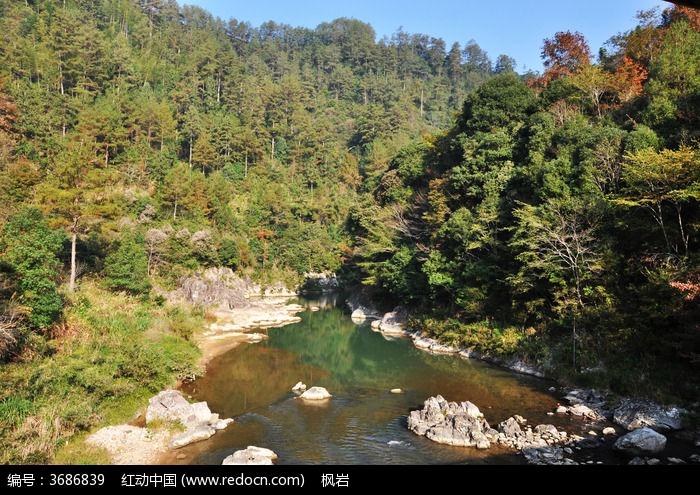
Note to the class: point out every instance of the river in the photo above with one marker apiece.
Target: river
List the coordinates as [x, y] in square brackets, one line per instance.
[364, 423]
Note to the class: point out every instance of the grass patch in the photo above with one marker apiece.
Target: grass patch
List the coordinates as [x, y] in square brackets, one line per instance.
[486, 337]
[121, 351]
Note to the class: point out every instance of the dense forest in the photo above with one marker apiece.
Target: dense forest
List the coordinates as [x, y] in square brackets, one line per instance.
[554, 216]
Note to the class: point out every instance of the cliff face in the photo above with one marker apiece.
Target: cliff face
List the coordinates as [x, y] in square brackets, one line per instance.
[222, 287]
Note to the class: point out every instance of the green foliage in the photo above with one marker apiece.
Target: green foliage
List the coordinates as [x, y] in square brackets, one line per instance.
[558, 208]
[484, 336]
[124, 354]
[29, 257]
[13, 411]
[279, 150]
[126, 269]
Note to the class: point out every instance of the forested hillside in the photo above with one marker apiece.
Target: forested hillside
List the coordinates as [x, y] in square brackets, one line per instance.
[551, 215]
[558, 218]
[156, 139]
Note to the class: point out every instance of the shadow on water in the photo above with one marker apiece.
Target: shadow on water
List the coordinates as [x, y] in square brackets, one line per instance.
[364, 423]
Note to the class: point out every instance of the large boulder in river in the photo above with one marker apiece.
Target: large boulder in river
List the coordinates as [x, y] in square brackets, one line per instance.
[252, 456]
[316, 393]
[632, 414]
[641, 442]
[452, 423]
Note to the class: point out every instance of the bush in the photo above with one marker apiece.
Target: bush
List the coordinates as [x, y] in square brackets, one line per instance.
[126, 269]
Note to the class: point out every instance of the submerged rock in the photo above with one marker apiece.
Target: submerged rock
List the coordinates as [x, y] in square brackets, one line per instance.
[316, 393]
[251, 456]
[641, 442]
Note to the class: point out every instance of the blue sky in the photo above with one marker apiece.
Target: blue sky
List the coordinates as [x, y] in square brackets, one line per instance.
[511, 27]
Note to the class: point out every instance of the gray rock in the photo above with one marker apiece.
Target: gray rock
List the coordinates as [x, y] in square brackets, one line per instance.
[638, 413]
[320, 282]
[394, 322]
[316, 393]
[170, 405]
[694, 458]
[653, 461]
[675, 460]
[546, 456]
[251, 456]
[196, 434]
[525, 369]
[451, 423]
[197, 418]
[510, 428]
[462, 424]
[585, 411]
[221, 424]
[637, 461]
[640, 442]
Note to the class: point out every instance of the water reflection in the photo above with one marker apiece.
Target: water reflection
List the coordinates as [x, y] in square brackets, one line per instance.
[363, 423]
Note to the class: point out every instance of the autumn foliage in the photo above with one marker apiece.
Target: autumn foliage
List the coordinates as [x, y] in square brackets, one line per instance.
[8, 111]
[564, 55]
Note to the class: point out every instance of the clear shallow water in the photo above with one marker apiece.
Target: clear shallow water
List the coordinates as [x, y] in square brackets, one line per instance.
[363, 423]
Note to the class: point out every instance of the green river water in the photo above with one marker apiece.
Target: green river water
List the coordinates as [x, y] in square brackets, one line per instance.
[363, 423]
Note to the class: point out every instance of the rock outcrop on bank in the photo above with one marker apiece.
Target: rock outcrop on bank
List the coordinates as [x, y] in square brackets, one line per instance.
[178, 423]
[222, 287]
[632, 414]
[197, 419]
[394, 323]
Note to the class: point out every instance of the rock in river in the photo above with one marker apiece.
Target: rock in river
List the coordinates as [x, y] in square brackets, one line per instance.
[641, 442]
[316, 393]
[461, 424]
[299, 387]
[252, 456]
[452, 423]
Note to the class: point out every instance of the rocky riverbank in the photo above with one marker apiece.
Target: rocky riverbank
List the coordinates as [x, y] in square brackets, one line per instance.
[632, 428]
[239, 312]
[463, 425]
[393, 323]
